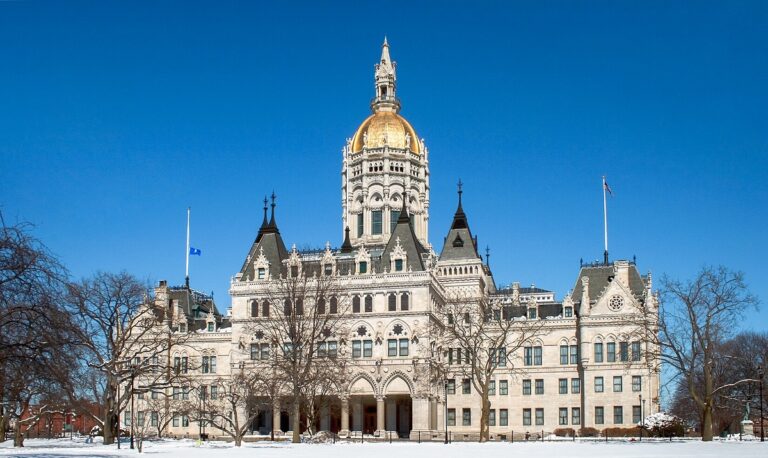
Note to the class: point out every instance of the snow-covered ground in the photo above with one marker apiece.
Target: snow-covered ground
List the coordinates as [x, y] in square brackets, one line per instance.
[63, 448]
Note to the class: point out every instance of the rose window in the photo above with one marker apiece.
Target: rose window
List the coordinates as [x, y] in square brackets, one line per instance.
[397, 329]
[615, 303]
[361, 331]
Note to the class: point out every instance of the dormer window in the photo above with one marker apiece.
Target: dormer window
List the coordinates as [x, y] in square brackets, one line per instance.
[211, 326]
[294, 271]
[398, 265]
[532, 313]
[328, 270]
[182, 327]
[568, 312]
[362, 267]
[262, 272]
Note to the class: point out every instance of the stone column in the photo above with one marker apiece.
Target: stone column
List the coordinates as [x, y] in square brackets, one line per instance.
[344, 416]
[441, 416]
[276, 419]
[433, 413]
[420, 416]
[380, 409]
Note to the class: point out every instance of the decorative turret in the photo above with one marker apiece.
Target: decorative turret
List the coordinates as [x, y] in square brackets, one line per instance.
[268, 250]
[386, 79]
[384, 160]
[459, 244]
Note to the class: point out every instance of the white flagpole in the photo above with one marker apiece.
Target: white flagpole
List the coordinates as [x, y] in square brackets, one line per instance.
[605, 224]
[186, 274]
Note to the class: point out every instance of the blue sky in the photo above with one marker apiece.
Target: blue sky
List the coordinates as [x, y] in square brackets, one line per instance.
[114, 117]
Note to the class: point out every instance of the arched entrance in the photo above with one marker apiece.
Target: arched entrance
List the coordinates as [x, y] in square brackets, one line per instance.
[398, 406]
[362, 406]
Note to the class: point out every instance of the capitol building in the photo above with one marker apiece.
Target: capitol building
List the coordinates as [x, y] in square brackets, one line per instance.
[586, 366]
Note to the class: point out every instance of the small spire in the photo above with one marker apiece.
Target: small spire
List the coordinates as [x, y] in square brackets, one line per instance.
[404, 217]
[346, 247]
[272, 219]
[487, 255]
[264, 223]
[385, 52]
[459, 218]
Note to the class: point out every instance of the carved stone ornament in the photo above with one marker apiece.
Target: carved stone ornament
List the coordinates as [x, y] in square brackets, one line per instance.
[615, 303]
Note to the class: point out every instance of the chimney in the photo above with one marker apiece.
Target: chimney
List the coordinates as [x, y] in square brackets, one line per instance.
[621, 271]
[585, 305]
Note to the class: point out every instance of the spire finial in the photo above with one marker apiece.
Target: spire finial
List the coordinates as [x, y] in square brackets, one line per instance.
[264, 223]
[385, 41]
[272, 218]
[459, 186]
[346, 247]
[487, 255]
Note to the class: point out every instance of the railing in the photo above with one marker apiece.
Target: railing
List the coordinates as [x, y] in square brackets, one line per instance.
[386, 98]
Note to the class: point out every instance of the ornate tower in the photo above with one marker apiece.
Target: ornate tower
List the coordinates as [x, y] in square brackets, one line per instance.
[384, 165]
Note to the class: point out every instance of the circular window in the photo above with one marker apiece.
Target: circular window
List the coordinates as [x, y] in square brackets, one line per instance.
[259, 334]
[397, 329]
[616, 303]
[361, 331]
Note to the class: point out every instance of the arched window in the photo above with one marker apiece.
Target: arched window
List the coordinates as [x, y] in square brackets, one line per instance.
[265, 309]
[321, 306]
[287, 307]
[254, 309]
[392, 302]
[404, 301]
[368, 304]
[334, 305]
[299, 306]
[356, 304]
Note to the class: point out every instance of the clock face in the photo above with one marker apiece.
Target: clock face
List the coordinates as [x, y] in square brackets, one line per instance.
[616, 303]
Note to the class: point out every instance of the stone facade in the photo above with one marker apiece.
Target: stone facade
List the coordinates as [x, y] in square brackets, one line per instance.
[587, 369]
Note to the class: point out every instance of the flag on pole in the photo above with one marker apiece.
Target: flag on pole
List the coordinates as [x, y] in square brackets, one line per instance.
[607, 188]
[195, 251]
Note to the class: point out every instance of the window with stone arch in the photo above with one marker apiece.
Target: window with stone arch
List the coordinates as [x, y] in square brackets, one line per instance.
[265, 309]
[254, 309]
[334, 307]
[392, 302]
[368, 304]
[404, 302]
[356, 304]
[321, 306]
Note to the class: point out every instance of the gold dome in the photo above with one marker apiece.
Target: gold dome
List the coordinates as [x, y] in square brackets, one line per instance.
[385, 128]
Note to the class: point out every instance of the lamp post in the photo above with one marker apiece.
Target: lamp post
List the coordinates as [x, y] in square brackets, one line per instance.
[642, 418]
[445, 408]
[760, 375]
[133, 410]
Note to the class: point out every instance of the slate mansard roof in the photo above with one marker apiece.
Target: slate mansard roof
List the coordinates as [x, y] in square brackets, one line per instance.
[459, 244]
[601, 276]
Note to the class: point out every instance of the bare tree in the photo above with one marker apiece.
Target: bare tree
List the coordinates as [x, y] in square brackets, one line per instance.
[695, 317]
[481, 338]
[738, 362]
[122, 336]
[34, 330]
[304, 329]
[227, 404]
